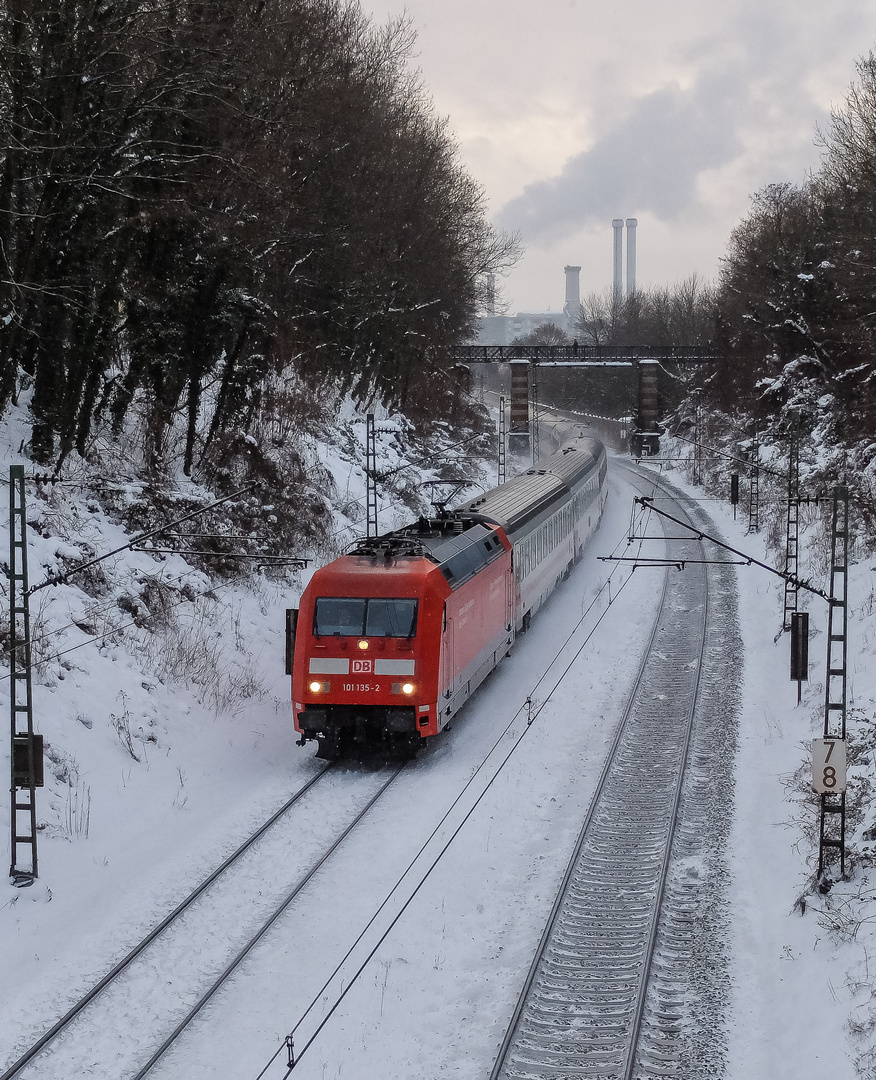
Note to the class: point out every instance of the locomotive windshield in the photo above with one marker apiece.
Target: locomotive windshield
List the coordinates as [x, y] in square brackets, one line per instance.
[352, 617]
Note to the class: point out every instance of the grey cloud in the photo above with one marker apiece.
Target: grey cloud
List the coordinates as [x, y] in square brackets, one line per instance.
[649, 162]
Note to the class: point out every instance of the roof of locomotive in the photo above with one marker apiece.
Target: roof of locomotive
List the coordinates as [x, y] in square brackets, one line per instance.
[462, 541]
[373, 575]
[458, 547]
[524, 498]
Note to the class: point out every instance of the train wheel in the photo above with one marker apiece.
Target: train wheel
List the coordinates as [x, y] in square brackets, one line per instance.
[329, 746]
[527, 621]
[402, 746]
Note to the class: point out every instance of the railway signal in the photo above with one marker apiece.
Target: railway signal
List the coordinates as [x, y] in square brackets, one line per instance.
[800, 650]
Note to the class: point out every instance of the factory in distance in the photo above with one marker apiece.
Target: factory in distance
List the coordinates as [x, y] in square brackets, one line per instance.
[496, 329]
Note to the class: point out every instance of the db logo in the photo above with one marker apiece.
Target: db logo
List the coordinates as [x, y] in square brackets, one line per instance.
[361, 665]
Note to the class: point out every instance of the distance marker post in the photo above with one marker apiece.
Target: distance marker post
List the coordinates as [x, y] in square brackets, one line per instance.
[832, 828]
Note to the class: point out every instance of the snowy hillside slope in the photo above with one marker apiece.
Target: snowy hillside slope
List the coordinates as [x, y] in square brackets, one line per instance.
[169, 737]
[803, 998]
[160, 692]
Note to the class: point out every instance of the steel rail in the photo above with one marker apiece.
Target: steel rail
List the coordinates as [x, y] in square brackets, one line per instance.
[238, 959]
[576, 852]
[661, 894]
[183, 906]
[491, 776]
[534, 1036]
[750, 560]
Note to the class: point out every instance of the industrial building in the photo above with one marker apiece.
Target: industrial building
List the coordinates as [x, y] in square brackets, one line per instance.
[496, 329]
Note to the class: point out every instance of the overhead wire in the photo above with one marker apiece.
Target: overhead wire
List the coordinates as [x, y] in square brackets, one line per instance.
[409, 465]
[530, 718]
[92, 614]
[58, 579]
[116, 630]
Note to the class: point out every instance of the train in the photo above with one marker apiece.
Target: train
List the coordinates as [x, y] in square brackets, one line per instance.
[390, 640]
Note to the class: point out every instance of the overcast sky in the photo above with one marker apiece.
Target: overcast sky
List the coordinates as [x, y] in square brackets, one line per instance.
[573, 112]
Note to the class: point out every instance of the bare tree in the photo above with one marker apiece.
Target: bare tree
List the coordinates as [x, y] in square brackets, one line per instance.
[547, 333]
[681, 314]
[600, 318]
[195, 196]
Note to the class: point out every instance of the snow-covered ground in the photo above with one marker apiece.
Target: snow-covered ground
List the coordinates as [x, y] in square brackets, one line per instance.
[153, 779]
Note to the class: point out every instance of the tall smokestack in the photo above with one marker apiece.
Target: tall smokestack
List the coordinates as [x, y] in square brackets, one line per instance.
[572, 306]
[617, 279]
[491, 295]
[631, 255]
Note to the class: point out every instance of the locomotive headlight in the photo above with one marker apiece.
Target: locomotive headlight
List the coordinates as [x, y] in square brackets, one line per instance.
[407, 688]
[363, 644]
[316, 687]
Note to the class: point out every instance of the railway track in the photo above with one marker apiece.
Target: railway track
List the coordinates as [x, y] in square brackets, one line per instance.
[203, 940]
[630, 967]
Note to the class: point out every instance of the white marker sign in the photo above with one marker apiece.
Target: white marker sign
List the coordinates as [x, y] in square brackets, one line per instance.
[828, 765]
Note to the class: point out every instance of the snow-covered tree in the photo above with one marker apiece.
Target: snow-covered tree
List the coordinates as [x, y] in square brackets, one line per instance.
[196, 196]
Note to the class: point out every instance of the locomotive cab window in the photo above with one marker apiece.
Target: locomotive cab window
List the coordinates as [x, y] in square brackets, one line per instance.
[391, 618]
[354, 617]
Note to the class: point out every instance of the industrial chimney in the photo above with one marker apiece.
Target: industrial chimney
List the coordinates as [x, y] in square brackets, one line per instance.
[618, 287]
[491, 295]
[572, 306]
[631, 255]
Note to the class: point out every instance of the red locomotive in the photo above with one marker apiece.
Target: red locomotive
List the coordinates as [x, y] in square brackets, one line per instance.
[392, 639]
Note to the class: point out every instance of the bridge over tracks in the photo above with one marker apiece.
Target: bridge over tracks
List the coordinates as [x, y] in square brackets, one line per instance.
[647, 360]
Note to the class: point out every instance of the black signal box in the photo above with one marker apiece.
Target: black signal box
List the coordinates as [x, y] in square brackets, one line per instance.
[800, 646]
[21, 777]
